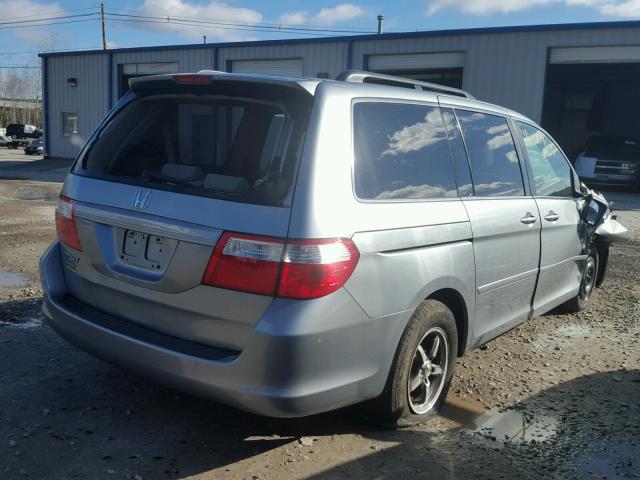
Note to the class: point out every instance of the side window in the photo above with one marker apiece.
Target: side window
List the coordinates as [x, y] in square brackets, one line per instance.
[401, 152]
[492, 153]
[550, 169]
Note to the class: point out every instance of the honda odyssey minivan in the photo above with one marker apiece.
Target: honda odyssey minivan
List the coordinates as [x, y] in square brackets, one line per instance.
[291, 246]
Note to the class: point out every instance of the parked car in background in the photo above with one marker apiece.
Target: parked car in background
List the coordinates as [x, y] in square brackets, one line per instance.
[35, 147]
[291, 246]
[610, 160]
[22, 134]
[4, 141]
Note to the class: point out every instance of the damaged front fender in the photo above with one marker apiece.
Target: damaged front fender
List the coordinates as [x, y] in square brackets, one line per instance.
[598, 220]
[610, 228]
[599, 229]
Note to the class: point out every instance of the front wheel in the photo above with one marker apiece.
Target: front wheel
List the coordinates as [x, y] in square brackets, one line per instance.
[587, 285]
[421, 373]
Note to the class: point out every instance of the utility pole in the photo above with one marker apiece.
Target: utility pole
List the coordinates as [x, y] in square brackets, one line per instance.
[104, 27]
[380, 20]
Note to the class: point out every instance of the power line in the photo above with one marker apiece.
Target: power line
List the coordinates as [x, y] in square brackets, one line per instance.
[48, 24]
[279, 26]
[61, 17]
[39, 15]
[229, 25]
[172, 22]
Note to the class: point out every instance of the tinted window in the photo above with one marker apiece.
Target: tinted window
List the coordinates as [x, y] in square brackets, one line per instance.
[492, 154]
[401, 151]
[463, 174]
[236, 148]
[550, 169]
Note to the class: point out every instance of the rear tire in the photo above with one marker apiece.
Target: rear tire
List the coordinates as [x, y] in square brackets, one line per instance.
[587, 285]
[422, 369]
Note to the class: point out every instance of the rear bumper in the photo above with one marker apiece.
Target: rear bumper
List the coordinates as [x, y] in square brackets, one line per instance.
[303, 357]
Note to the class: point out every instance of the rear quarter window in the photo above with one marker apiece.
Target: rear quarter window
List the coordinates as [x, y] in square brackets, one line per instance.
[401, 152]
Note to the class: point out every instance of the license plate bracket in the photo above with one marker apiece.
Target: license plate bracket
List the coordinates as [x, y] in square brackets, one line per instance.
[149, 251]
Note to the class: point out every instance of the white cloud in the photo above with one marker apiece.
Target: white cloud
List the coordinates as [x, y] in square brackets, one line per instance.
[218, 11]
[417, 191]
[326, 16]
[481, 7]
[24, 8]
[614, 8]
[498, 141]
[630, 8]
[31, 10]
[417, 136]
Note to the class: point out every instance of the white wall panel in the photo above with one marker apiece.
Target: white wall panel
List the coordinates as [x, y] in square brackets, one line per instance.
[618, 54]
[401, 61]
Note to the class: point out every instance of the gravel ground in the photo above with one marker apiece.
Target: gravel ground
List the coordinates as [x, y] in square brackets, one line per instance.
[555, 398]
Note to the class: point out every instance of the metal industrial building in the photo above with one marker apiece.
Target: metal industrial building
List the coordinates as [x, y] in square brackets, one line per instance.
[576, 79]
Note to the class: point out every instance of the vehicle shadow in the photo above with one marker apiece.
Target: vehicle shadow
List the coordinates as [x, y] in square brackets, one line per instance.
[69, 415]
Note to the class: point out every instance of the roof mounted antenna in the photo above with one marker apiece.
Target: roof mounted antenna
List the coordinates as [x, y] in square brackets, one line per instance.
[380, 22]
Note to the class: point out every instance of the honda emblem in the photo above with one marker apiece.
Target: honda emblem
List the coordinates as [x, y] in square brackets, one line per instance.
[142, 198]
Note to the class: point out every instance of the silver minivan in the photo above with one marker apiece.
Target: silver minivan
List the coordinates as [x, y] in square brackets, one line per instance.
[291, 246]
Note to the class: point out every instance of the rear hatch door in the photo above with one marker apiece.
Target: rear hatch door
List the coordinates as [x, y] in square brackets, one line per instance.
[168, 172]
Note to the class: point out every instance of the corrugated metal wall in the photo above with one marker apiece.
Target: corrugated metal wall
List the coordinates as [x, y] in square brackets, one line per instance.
[190, 60]
[328, 58]
[503, 68]
[89, 99]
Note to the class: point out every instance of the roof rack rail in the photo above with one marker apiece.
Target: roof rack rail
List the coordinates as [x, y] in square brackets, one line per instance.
[361, 76]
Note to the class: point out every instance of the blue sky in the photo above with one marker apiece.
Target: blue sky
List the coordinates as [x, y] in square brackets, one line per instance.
[400, 15]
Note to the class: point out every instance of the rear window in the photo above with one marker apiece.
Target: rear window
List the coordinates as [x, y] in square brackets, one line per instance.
[401, 152]
[233, 148]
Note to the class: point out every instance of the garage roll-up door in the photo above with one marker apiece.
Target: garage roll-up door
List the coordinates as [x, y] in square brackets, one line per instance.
[415, 61]
[622, 54]
[286, 68]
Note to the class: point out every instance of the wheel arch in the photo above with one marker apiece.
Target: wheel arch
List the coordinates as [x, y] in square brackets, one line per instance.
[454, 301]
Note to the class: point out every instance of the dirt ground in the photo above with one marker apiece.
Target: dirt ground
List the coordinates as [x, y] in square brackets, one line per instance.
[557, 397]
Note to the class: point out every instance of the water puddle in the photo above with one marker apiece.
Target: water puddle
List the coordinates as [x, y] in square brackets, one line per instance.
[10, 279]
[24, 323]
[614, 462]
[514, 426]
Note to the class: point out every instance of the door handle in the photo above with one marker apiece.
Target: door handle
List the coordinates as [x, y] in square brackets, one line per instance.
[551, 216]
[528, 219]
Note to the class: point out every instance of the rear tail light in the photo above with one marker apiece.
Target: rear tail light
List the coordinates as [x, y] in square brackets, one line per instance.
[66, 222]
[300, 269]
[315, 268]
[245, 262]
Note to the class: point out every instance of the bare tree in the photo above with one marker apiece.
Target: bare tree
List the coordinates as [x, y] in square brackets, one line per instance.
[21, 88]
